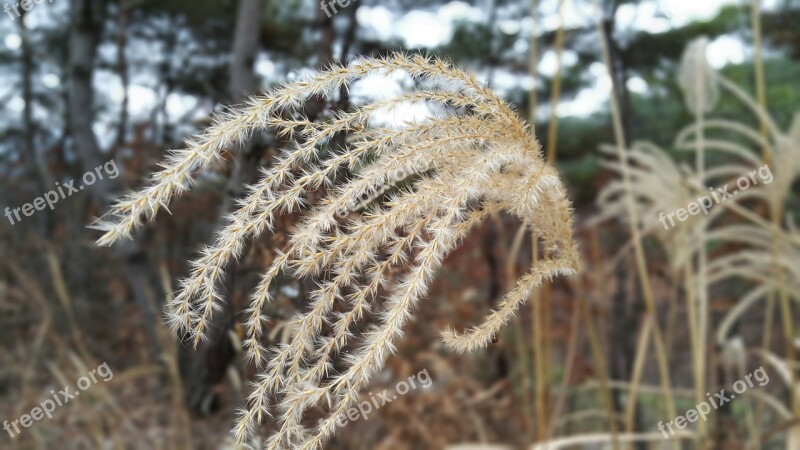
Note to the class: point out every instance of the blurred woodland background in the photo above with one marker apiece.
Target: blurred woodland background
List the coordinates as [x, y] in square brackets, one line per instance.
[656, 320]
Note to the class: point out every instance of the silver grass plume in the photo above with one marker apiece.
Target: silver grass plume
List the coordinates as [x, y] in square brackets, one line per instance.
[657, 181]
[756, 260]
[472, 157]
[767, 267]
[697, 78]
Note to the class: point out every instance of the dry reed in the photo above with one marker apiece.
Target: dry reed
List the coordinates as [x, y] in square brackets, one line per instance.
[471, 157]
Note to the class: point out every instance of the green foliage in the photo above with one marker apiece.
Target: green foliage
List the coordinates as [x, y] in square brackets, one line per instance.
[782, 93]
[651, 50]
[197, 12]
[581, 175]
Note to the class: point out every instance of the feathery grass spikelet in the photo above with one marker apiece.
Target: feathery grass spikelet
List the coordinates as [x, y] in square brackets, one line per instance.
[427, 184]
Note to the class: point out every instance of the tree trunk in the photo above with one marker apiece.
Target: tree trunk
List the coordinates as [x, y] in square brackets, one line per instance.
[245, 50]
[619, 71]
[35, 158]
[206, 366]
[626, 313]
[84, 35]
[122, 68]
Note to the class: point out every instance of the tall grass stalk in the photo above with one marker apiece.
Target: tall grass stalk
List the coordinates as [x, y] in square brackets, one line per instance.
[758, 63]
[641, 265]
[537, 307]
[551, 158]
[636, 378]
[542, 301]
[602, 370]
[698, 76]
[776, 213]
[524, 360]
[529, 360]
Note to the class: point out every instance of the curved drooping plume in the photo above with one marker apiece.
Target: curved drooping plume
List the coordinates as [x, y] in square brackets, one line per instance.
[426, 183]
